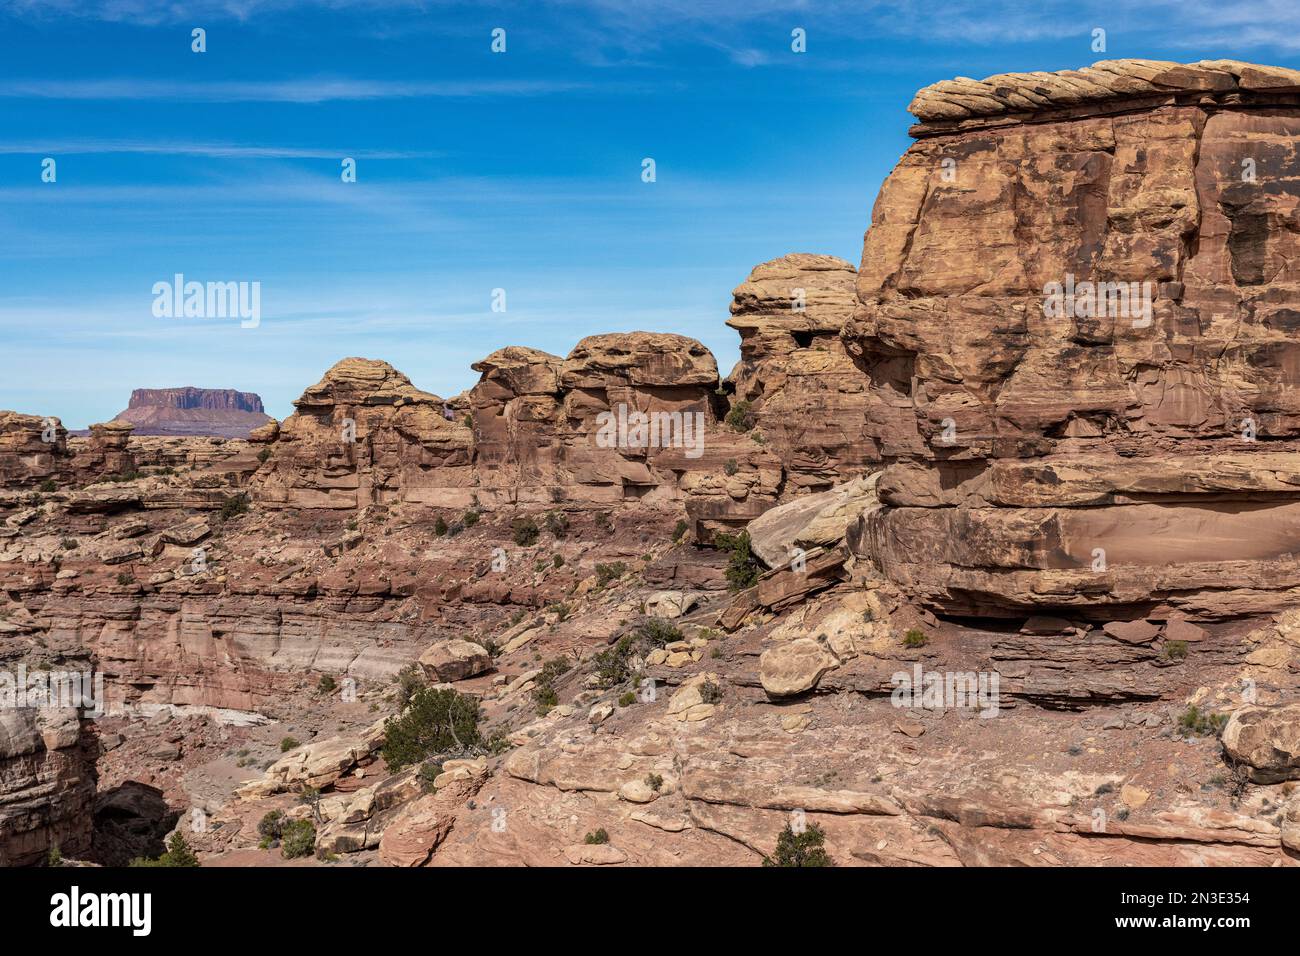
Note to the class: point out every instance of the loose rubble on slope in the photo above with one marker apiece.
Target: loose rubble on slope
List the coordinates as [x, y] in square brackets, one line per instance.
[949, 566]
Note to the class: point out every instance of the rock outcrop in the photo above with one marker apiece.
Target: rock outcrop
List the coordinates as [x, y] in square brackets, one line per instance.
[220, 412]
[47, 785]
[365, 435]
[817, 411]
[551, 429]
[1108, 86]
[33, 450]
[1086, 278]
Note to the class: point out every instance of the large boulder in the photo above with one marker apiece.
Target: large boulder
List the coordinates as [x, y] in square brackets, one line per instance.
[794, 667]
[811, 521]
[1266, 740]
[455, 660]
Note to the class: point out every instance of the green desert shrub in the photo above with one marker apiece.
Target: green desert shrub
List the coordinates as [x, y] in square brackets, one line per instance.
[1202, 723]
[434, 722]
[544, 693]
[297, 838]
[525, 531]
[234, 506]
[741, 417]
[270, 826]
[409, 679]
[609, 572]
[178, 853]
[613, 664]
[557, 523]
[800, 849]
[657, 632]
[742, 567]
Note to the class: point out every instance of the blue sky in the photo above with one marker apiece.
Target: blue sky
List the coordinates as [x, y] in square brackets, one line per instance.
[476, 170]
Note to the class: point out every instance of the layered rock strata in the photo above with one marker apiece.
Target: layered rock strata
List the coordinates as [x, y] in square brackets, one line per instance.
[220, 412]
[1094, 313]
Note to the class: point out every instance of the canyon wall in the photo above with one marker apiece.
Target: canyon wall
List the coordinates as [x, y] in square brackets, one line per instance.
[1076, 452]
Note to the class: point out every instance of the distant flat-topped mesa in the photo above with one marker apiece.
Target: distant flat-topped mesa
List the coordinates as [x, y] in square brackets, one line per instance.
[1105, 87]
[220, 412]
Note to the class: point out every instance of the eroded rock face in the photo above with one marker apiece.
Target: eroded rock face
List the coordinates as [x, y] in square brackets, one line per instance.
[365, 435]
[625, 418]
[1052, 436]
[814, 407]
[355, 556]
[47, 785]
[26, 458]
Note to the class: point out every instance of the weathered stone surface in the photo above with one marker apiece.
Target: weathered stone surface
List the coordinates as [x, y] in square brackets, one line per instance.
[1106, 85]
[808, 400]
[1065, 456]
[365, 435]
[25, 457]
[454, 660]
[794, 667]
[1266, 740]
[47, 785]
[817, 520]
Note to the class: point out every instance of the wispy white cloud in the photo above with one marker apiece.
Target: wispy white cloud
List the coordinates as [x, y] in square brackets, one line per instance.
[87, 147]
[749, 32]
[275, 91]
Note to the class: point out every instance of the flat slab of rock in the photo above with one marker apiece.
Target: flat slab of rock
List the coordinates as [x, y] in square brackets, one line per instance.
[1132, 632]
[1179, 630]
[189, 533]
[594, 854]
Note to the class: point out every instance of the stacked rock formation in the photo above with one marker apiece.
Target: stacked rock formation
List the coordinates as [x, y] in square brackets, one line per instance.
[35, 450]
[625, 417]
[26, 457]
[221, 412]
[823, 416]
[362, 435]
[1128, 444]
[537, 417]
